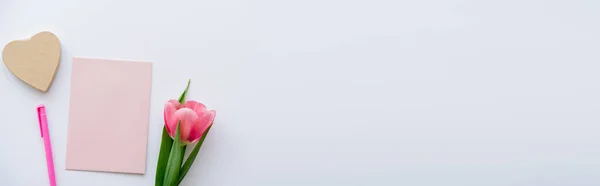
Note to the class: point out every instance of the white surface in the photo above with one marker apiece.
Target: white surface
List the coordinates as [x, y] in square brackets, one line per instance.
[335, 92]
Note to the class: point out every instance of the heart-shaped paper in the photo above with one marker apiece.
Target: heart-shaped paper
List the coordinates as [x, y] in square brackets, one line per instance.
[34, 60]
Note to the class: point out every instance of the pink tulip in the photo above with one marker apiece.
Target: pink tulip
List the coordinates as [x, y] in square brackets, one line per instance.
[193, 120]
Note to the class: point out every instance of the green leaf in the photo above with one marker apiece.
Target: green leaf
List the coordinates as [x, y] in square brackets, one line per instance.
[182, 97]
[192, 157]
[174, 164]
[163, 157]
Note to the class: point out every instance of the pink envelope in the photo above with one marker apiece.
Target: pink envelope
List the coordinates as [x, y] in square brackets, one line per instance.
[108, 115]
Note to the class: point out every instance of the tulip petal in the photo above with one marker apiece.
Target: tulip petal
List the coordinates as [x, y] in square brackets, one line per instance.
[199, 108]
[175, 103]
[187, 118]
[170, 120]
[202, 124]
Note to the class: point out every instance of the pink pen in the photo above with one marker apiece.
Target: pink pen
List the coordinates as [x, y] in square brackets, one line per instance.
[41, 109]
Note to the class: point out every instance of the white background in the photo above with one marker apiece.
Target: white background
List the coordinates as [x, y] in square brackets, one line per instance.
[334, 92]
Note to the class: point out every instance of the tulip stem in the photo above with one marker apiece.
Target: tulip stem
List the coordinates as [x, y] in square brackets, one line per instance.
[182, 100]
[183, 148]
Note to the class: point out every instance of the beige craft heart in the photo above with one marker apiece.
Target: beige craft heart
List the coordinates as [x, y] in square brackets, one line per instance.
[34, 60]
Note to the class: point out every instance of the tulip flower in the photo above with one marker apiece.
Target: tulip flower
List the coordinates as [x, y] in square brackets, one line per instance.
[193, 119]
[191, 122]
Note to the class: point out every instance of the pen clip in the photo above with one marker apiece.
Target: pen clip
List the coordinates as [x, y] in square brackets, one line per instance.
[41, 109]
